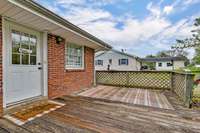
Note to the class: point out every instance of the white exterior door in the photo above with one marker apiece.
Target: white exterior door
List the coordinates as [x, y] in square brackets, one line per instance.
[23, 64]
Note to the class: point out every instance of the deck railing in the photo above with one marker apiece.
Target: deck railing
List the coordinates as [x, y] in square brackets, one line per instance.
[180, 83]
[183, 86]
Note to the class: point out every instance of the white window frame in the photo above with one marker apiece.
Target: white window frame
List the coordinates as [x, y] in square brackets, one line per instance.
[83, 58]
[121, 64]
[99, 64]
[110, 61]
[20, 32]
[160, 63]
[169, 65]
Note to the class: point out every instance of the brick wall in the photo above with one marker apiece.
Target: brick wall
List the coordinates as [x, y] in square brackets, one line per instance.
[1, 89]
[61, 81]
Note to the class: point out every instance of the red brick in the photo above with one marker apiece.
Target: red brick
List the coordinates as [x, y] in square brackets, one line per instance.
[62, 81]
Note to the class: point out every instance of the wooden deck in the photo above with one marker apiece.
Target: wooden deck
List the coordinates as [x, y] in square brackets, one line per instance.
[146, 97]
[82, 114]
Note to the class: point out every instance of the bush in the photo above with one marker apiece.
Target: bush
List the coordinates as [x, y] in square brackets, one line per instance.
[196, 101]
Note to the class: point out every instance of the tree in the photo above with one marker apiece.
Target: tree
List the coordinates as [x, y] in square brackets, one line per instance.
[163, 54]
[194, 41]
[151, 65]
[196, 59]
[172, 53]
[150, 56]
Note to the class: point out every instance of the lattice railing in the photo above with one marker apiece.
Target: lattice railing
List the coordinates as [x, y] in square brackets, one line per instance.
[143, 79]
[180, 83]
[182, 86]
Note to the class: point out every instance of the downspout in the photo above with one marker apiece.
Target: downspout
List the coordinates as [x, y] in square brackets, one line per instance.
[94, 78]
[172, 64]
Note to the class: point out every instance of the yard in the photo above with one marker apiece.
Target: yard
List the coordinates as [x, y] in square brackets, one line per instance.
[95, 112]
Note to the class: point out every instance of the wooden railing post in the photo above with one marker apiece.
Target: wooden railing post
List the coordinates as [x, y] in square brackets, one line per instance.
[127, 78]
[95, 78]
[172, 81]
[188, 91]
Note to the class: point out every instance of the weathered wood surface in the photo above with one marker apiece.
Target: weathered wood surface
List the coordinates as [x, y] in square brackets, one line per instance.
[146, 97]
[180, 83]
[81, 114]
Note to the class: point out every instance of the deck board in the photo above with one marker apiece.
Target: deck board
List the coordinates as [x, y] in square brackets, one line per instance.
[146, 97]
[90, 115]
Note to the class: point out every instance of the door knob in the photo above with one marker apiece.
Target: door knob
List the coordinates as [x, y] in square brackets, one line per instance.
[40, 68]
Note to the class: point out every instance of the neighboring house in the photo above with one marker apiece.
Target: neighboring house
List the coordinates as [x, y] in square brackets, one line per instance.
[42, 54]
[197, 65]
[166, 63]
[117, 61]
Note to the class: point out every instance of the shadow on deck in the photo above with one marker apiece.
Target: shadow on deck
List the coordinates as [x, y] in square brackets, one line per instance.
[88, 114]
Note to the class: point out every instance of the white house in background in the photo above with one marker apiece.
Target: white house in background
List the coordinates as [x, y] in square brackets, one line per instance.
[116, 61]
[166, 63]
[197, 65]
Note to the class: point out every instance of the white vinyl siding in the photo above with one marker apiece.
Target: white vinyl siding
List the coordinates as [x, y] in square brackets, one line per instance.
[111, 60]
[74, 56]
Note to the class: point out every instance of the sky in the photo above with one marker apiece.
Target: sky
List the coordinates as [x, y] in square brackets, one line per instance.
[141, 27]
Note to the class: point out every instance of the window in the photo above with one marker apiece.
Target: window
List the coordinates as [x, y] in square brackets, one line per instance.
[74, 56]
[169, 64]
[160, 64]
[123, 61]
[99, 62]
[110, 61]
[23, 48]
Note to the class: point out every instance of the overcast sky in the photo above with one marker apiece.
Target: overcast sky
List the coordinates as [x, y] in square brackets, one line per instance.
[141, 27]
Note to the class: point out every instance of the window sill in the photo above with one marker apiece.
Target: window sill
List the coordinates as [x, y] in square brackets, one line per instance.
[74, 69]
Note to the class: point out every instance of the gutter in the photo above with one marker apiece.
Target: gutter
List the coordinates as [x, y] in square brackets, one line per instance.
[30, 4]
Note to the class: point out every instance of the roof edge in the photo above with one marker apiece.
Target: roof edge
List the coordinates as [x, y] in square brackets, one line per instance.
[132, 56]
[157, 59]
[51, 15]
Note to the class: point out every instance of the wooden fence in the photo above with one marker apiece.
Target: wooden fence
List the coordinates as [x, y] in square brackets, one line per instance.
[180, 83]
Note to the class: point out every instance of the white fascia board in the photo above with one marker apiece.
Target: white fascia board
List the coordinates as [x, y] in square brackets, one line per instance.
[54, 22]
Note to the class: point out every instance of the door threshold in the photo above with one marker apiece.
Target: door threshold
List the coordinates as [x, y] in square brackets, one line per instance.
[10, 108]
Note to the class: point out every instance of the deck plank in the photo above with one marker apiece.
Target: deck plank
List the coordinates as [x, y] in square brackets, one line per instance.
[106, 119]
[12, 128]
[62, 126]
[145, 97]
[90, 115]
[52, 126]
[2, 130]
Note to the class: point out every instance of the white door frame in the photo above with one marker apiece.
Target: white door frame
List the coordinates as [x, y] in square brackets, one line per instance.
[44, 58]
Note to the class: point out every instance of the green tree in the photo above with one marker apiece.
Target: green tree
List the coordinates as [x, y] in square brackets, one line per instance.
[194, 41]
[196, 59]
[150, 56]
[163, 54]
[151, 65]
